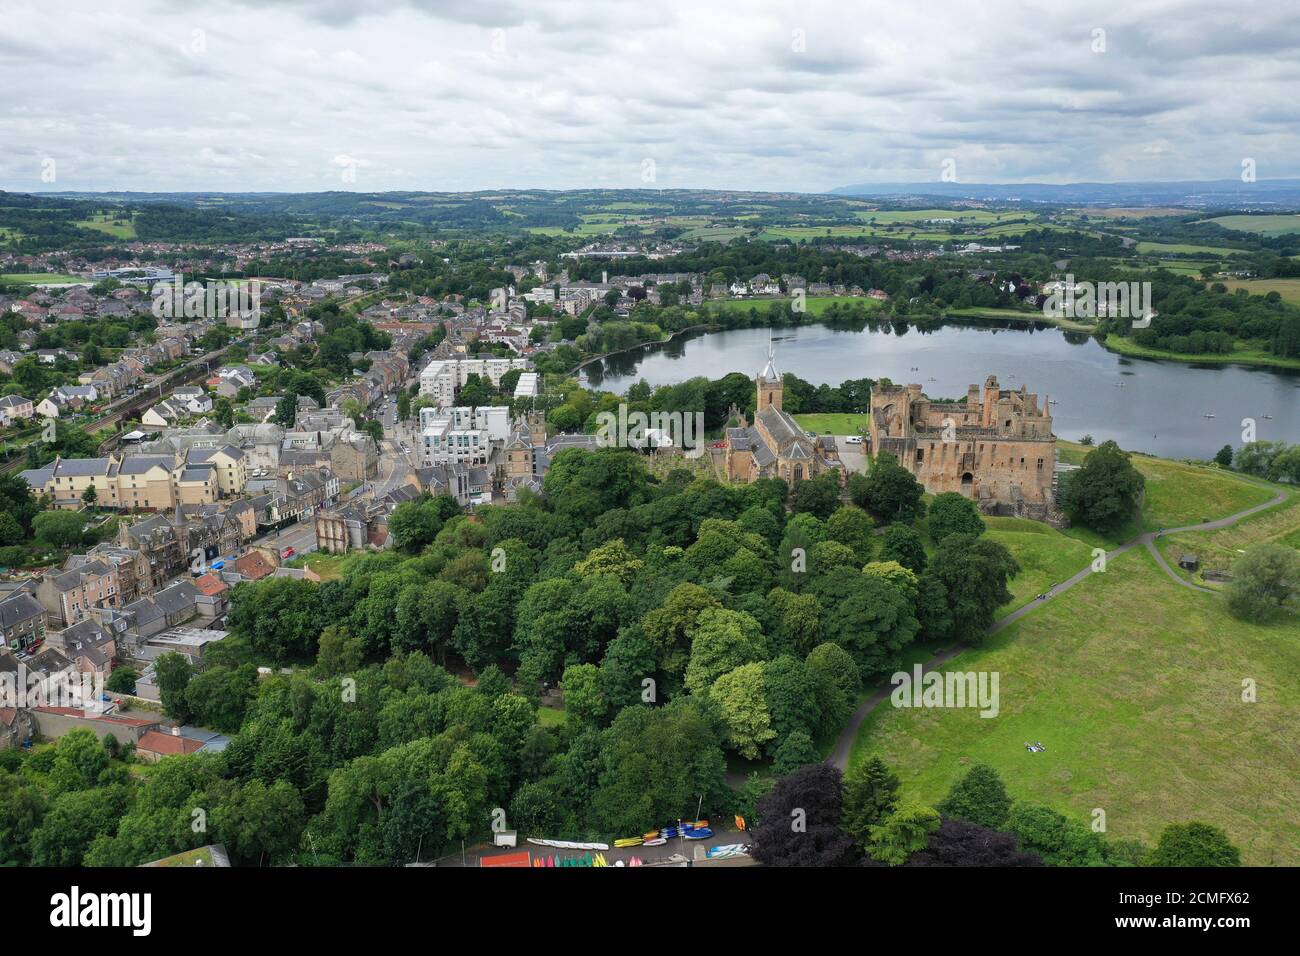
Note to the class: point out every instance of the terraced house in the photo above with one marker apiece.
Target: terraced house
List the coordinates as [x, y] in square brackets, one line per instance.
[22, 621]
[134, 482]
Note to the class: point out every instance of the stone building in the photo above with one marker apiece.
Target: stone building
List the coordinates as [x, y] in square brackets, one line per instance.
[996, 447]
[775, 446]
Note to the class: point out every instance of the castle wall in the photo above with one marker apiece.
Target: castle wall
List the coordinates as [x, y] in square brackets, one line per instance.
[996, 448]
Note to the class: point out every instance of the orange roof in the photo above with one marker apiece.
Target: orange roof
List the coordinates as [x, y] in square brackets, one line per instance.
[210, 584]
[254, 566]
[155, 741]
[521, 859]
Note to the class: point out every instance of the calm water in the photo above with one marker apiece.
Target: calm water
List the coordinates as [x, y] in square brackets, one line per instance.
[1157, 407]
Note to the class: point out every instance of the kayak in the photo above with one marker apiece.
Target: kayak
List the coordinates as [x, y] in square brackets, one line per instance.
[698, 833]
[629, 841]
[657, 841]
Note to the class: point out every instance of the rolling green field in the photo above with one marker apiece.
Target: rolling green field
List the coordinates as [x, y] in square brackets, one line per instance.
[1218, 549]
[1171, 248]
[1263, 225]
[116, 226]
[1131, 681]
[1046, 556]
[835, 423]
[1134, 685]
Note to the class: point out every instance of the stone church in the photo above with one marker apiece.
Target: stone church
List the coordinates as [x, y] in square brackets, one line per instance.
[774, 446]
[996, 448]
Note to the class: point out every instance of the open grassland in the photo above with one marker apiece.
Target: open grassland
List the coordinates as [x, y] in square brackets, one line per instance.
[1180, 494]
[1263, 225]
[1135, 685]
[1289, 289]
[1176, 494]
[1046, 557]
[1175, 248]
[1217, 550]
[119, 227]
[1132, 212]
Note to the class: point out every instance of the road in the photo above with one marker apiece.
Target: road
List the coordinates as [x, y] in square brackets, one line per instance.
[844, 744]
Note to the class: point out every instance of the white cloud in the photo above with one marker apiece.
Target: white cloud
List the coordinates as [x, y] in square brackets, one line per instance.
[764, 95]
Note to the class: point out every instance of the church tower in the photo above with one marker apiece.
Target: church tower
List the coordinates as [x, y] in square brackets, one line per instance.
[769, 384]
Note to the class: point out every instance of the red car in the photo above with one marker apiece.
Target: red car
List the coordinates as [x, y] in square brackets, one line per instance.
[287, 553]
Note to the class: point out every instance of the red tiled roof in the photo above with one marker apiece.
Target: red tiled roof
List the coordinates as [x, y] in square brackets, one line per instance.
[254, 566]
[210, 584]
[155, 741]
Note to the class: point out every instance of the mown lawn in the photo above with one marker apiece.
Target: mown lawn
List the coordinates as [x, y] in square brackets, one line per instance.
[1135, 686]
[835, 423]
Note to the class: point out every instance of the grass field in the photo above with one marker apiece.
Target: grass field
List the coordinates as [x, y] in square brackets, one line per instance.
[1264, 225]
[328, 566]
[1242, 355]
[1173, 248]
[1218, 549]
[35, 277]
[116, 226]
[1134, 684]
[834, 423]
[1289, 289]
[1176, 494]
[815, 304]
[1046, 556]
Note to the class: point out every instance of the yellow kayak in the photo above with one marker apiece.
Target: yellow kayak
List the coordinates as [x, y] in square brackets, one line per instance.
[629, 841]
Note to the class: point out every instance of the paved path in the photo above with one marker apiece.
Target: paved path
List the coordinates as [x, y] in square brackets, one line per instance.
[839, 756]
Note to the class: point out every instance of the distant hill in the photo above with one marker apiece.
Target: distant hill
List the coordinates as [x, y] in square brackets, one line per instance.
[1271, 193]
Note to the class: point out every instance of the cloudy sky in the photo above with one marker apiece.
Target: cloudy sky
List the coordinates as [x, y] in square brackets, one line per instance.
[291, 95]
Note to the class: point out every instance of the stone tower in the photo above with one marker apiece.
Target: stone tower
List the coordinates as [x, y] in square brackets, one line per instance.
[769, 384]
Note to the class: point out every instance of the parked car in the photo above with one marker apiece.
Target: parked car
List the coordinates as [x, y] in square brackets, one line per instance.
[287, 553]
[853, 440]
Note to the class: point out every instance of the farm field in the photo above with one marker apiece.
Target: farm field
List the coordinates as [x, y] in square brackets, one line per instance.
[1172, 248]
[1263, 225]
[1134, 685]
[114, 226]
[1289, 289]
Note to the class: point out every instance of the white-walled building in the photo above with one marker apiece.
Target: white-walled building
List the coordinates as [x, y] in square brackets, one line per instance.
[464, 435]
[442, 377]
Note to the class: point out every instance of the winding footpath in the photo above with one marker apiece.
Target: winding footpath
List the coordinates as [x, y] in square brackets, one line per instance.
[839, 756]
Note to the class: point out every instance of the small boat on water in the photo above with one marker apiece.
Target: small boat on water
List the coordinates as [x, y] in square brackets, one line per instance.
[1208, 415]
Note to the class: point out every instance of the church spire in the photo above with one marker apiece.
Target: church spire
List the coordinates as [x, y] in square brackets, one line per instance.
[769, 373]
